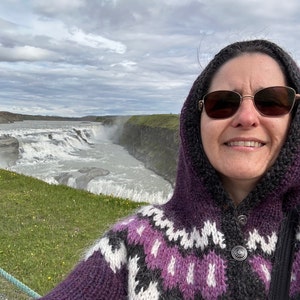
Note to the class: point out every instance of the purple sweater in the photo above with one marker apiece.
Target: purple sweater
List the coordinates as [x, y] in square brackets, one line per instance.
[149, 256]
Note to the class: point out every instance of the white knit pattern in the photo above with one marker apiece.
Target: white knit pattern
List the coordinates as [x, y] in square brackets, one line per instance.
[267, 244]
[188, 240]
[211, 277]
[171, 266]
[155, 248]
[150, 293]
[190, 274]
[266, 272]
[115, 258]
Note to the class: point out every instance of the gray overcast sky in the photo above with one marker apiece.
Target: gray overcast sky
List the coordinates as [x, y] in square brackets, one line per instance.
[120, 57]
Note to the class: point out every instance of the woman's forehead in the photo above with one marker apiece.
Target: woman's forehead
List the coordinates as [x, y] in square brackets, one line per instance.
[252, 71]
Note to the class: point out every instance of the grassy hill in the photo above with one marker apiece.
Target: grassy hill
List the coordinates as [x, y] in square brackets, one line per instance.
[45, 228]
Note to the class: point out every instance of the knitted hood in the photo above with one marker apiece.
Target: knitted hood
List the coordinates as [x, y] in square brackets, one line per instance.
[198, 189]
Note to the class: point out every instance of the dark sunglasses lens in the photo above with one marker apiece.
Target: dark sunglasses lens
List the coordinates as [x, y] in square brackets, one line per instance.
[221, 104]
[274, 101]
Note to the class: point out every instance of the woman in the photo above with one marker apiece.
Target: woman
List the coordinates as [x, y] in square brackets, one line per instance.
[238, 176]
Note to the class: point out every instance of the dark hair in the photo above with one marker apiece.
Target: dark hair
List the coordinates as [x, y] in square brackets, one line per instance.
[285, 61]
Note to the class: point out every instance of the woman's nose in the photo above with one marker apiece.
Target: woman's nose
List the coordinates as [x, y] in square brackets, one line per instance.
[247, 115]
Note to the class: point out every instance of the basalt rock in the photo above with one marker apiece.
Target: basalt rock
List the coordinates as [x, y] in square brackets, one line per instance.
[156, 146]
[81, 177]
[9, 150]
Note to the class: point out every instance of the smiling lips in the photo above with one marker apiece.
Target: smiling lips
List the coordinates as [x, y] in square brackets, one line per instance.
[253, 144]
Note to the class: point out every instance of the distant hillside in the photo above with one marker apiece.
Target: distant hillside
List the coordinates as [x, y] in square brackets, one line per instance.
[8, 117]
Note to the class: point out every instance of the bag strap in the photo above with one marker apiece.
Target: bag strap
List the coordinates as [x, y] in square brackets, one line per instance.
[281, 273]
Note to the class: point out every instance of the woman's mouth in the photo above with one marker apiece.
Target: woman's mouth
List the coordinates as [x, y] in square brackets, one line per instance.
[252, 144]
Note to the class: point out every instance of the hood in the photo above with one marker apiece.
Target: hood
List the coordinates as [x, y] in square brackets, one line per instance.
[198, 189]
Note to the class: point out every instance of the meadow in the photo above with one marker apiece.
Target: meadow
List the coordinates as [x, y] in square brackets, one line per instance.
[45, 229]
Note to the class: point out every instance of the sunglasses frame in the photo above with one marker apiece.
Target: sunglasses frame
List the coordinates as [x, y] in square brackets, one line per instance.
[201, 103]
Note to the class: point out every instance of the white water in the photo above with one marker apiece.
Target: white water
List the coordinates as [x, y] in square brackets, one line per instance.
[81, 155]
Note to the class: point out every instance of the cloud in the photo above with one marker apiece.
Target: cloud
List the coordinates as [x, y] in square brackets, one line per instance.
[123, 57]
[56, 7]
[96, 41]
[25, 53]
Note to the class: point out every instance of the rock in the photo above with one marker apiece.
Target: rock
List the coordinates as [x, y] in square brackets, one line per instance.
[88, 175]
[9, 150]
[156, 146]
[9, 142]
[93, 172]
[82, 177]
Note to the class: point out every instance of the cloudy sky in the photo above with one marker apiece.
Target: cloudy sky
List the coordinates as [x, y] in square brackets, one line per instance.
[124, 57]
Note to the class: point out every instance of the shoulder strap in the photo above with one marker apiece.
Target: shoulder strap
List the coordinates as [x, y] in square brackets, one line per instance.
[281, 273]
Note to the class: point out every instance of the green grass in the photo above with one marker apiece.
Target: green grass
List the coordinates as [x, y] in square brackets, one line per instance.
[45, 228]
[164, 121]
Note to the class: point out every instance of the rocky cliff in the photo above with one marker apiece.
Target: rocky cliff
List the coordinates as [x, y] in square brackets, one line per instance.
[154, 140]
[9, 150]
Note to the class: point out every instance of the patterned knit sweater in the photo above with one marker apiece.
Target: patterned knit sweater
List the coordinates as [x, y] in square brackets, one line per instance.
[198, 245]
[149, 256]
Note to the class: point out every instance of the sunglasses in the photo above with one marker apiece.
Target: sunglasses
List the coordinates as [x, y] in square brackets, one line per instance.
[272, 101]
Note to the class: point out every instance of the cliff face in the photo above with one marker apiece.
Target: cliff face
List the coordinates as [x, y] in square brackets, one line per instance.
[9, 150]
[154, 140]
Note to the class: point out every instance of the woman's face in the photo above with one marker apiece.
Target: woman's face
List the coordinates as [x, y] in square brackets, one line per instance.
[244, 146]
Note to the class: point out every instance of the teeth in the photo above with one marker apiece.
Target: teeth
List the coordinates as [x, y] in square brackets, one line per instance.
[245, 144]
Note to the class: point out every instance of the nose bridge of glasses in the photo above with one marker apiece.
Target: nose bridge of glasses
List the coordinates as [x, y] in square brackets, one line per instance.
[247, 96]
